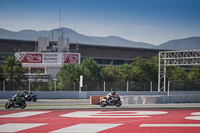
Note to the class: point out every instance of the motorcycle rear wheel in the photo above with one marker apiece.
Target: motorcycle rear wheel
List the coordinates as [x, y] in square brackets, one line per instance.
[102, 104]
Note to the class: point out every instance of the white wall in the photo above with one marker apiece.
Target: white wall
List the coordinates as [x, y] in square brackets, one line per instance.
[126, 97]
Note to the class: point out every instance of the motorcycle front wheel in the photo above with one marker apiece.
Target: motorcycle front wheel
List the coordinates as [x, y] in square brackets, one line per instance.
[118, 103]
[102, 104]
[7, 106]
[34, 99]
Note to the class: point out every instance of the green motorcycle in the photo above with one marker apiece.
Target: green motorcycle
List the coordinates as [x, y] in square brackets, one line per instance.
[16, 104]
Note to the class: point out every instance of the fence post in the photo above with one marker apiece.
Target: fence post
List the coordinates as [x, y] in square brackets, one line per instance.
[4, 85]
[55, 85]
[127, 86]
[29, 86]
[104, 86]
[81, 82]
[151, 85]
[74, 86]
[168, 87]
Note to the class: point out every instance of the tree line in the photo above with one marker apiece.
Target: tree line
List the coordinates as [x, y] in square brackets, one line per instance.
[140, 70]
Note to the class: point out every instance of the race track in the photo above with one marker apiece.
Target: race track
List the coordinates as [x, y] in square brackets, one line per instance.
[101, 121]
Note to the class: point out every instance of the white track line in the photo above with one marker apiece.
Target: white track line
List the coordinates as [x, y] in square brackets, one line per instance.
[16, 127]
[23, 114]
[170, 125]
[86, 128]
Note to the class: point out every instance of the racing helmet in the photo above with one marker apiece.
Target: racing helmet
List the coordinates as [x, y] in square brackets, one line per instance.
[18, 95]
[113, 93]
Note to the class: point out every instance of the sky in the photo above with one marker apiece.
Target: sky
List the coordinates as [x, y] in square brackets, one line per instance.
[149, 21]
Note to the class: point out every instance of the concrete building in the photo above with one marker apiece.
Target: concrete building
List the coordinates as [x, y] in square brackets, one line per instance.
[104, 55]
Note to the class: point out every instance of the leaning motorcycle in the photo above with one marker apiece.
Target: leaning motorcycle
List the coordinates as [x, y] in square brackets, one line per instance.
[11, 103]
[114, 102]
[31, 97]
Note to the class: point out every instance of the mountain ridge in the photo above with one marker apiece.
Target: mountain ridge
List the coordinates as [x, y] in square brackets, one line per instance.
[74, 37]
[189, 43]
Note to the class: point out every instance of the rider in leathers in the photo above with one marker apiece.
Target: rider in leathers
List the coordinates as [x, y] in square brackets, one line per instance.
[110, 97]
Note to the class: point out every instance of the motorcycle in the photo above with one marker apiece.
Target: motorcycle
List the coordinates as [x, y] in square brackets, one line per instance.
[114, 102]
[12, 103]
[31, 97]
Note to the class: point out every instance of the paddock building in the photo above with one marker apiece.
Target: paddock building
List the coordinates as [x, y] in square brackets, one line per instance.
[53, 54]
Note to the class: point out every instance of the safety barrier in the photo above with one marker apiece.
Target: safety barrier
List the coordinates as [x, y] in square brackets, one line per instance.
[95, 100]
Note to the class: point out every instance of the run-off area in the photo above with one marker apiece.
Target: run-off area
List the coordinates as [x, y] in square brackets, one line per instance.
[101, 121]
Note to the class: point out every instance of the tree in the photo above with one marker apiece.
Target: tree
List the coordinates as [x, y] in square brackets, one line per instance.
[194, 74]
[90, 70]
[13, 72]
[110, 73]
[144, 70]
[176, 73]
[1, 78]
[37, 84]
[51, 84]
[125, 72]
[1, 74]
[67, 75]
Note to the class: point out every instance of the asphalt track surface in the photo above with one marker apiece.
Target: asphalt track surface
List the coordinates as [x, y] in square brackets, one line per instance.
[85, 104]
[77, 116]
[101, 121]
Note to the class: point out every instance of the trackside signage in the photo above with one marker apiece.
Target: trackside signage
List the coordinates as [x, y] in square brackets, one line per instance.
[31, 58]
[48, 57]
[71, 58]
[51, 58]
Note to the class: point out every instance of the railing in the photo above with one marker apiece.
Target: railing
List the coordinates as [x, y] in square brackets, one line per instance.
[184, 85]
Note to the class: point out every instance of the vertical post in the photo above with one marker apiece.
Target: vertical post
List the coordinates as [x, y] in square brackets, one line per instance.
[55, 85]
[168, 87]
[104, 86]
[29, 70]
[159, 73]
[164, 78]
[151, 85]
[29, 86]
[81, 82]
[45, 70]
[127, 86]
[165, 73]
[36, 47]
[74, 86]
[4, 85]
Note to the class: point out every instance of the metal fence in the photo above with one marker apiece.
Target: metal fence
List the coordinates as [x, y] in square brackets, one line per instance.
[102, 86]
[184, 85]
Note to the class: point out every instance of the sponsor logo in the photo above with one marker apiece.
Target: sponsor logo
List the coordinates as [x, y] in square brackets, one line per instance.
[32, 58]
[71, 58]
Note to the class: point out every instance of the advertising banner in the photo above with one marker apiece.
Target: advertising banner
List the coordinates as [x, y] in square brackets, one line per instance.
[48, 58]
[30, 58]
[71, 58]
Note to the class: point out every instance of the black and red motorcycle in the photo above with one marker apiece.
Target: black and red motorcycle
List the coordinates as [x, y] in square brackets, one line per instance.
[114, 101]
